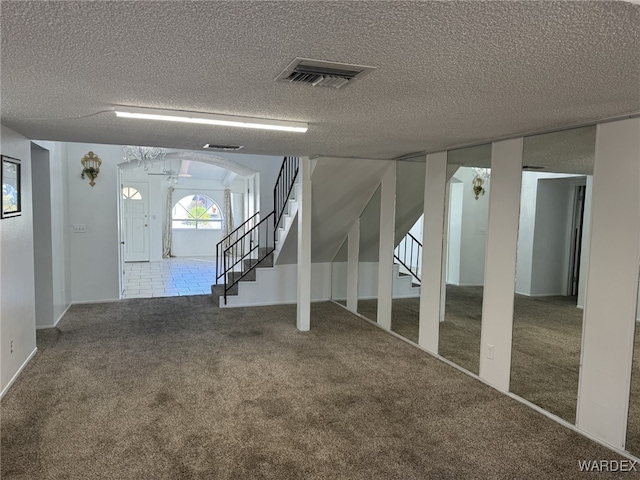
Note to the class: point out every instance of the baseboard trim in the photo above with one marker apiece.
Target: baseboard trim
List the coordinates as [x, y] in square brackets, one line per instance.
[55, 324]
[85, 302]
[533, 406]
[17, 374]
[268, 304]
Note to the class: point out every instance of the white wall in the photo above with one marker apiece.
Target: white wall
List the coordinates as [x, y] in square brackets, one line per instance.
[368, 280]
[544, 226]
[467, 230]
[42, 251]
[94, 258]
[268, 168]
[454, 232]
[586, 242]
[552, 236]
[17, 293]
[278, 285]
[60, 230]
[339, 273]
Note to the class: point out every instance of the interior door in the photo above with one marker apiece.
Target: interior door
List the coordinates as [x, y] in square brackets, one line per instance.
[135, 215]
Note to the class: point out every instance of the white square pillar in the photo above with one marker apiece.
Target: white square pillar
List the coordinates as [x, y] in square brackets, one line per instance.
[303, 320]
[433, 231]
[612, 284]
[387, 239]
[353, 252]
[500, 268]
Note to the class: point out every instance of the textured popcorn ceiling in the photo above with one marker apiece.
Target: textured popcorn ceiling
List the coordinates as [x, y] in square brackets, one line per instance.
[448, 73]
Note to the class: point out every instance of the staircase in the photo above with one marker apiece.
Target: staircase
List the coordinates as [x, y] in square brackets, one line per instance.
[253, 246]
[258, 261]
[404, 285]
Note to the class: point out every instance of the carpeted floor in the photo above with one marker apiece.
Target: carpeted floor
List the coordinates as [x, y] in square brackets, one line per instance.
[547, 333]
[175, 388]
[547, 336]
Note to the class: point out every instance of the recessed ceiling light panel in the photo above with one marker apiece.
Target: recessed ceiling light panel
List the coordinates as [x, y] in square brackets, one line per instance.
[226, 148]
[210, 119]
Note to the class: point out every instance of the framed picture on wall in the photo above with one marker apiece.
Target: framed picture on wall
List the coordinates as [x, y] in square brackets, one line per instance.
[11, 191]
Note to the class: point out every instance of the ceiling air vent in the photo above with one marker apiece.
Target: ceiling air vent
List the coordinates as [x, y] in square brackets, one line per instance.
[322, 74]
[226, 148]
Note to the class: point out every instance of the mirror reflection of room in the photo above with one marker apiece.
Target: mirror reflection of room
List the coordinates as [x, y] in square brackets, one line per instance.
[551, 269]
[466, 217]
[407, 254]
[368, 258]
[339, 275]
[633, 420]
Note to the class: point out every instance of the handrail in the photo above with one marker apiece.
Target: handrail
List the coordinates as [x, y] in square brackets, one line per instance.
[405, 258]
[239, 251]
[284, 186]
[225, 241]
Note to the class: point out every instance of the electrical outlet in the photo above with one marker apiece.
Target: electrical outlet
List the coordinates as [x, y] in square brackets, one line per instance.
[489, 351]
[79, 228]
[11, 346]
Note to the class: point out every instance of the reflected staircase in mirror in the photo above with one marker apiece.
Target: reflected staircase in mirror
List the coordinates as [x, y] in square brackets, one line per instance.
[408, 257]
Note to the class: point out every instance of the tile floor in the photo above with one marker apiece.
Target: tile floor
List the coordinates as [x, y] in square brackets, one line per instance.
[170, 277]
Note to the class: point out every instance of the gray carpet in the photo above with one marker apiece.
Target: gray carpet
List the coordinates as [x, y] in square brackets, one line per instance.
[175, 388]
[547, 334]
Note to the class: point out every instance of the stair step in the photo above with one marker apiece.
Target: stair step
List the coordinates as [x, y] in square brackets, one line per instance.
[264, 263]
[235, 276]
[218, 290]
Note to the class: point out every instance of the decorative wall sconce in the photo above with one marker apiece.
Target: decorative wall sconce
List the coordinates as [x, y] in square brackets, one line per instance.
[90, 167]
[480, 181]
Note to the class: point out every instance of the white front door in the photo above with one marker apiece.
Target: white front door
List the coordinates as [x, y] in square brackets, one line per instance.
[135, 216]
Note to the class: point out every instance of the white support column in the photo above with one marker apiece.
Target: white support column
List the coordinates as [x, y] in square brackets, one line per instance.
[499, 277]
[433, 229]
[387, 238]
[445, 248]
[612, 284]
[352, 266]
[304, 247]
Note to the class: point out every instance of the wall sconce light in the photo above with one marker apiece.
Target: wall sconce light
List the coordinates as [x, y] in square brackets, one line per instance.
[90, 167]
[480, 180]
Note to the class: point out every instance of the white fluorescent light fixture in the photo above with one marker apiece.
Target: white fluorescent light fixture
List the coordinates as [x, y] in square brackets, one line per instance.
[210, 119]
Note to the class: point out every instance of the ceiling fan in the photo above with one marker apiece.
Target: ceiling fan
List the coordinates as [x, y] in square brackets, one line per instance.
[171, 174]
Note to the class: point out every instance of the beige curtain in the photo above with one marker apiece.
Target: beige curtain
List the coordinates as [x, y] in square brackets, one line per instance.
[167, 235]
[228, 213]
[228, 217]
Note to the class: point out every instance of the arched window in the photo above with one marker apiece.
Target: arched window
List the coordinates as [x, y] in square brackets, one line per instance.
[130, 193]
[197, 212]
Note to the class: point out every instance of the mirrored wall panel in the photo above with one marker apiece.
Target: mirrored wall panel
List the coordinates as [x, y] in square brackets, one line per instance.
[339, 274]
[464, 244]
[368, 258]
[407, 254]
[633, 421]
[551, 268]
